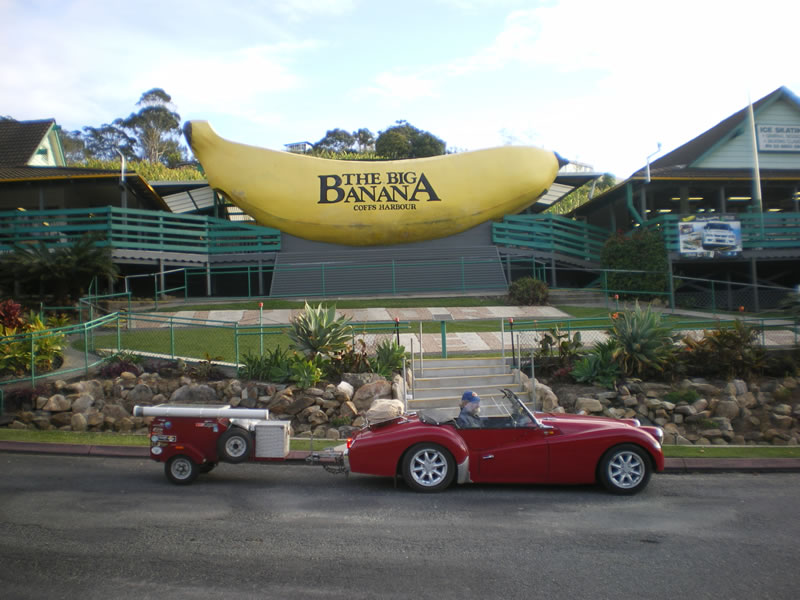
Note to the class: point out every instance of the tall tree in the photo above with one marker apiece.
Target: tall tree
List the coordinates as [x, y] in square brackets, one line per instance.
[365, 139]
[336, 140]
[103, 142]
[156, 127]
[406, 141]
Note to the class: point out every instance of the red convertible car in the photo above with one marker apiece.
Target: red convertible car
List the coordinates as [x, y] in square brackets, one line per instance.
[512, 445]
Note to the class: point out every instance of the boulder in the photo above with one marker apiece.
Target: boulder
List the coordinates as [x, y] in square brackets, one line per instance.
[79, 422]
[61, 419]
[369, 392]
[357, 380]
[348, 409]
[299, 403]
[588, 405]
[83, 403]
[545, 397]
[779, 409]
[193, 393]
[728, 409]
[57, 403]
[344, 391]
[141, 394]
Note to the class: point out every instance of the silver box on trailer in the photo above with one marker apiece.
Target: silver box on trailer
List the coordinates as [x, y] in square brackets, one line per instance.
[272, 439]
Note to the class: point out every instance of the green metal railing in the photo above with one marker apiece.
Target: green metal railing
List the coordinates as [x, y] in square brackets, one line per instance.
[136, 229]
[551, 233]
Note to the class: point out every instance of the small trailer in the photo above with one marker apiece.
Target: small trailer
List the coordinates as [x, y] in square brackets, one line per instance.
[192, 439]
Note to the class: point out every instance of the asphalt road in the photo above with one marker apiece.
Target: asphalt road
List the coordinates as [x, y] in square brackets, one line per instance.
[76, 527]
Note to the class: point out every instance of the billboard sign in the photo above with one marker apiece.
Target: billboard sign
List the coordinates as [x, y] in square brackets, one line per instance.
[710, 236]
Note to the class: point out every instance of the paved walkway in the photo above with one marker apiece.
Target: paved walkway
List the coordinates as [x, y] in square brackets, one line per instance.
[672, 465]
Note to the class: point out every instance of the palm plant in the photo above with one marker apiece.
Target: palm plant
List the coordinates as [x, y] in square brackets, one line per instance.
[318, 331]
[644, 344]
[63, 271]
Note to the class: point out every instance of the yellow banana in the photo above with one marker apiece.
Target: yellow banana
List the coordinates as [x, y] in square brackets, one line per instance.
[366, 203]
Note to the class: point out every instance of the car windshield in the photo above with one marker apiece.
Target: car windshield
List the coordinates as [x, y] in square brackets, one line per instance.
[502, 404]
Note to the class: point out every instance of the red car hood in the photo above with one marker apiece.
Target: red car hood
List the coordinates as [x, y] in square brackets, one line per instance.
[576, 423]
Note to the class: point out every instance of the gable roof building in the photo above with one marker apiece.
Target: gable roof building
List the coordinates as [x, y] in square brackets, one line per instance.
[30, 143]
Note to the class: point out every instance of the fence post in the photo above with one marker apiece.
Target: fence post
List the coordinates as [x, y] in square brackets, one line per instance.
[397, 329]
[260, 330]
[236, 345]
[513, 352]
[503, 340]
[713, 299]
[171, 337]
[33, 360]
[444, 338]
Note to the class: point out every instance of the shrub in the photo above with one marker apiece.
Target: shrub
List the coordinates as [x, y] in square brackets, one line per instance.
[727, 352]
[598, 366]
[353, 359]
[318, 331]
[641, 251]
[644, 346]
[306, 372]
[687, 395]
[10, 316]
[559, 345]
[273, 366]
[389, 358]
[528, 291]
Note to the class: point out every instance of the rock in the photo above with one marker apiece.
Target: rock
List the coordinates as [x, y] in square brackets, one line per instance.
[630, 401]
[737, 387]
[588, 405]
[17, 425]
[344, 391]
[700, 405]
[346, 431]
[40, 402]
[781, 421]
[115, 412]
[128, 379]
[141, 394]
[398, 388]
[348, 409]
[747, 400]
[42, 423]
[61, 419]
[79, 422]
[368, 392]
[384, 409]
[723, 424]
[652, 402]
[317, 417]
[359, 422]
[333, 434]
[728, 409]
[357, 380]
[545, 397]
[281, 401]
[83, 403]
[57, 403]
[299, 404]
[780, 409]
[124, 425]
[686, 410]
[194, 393]
[313, 391]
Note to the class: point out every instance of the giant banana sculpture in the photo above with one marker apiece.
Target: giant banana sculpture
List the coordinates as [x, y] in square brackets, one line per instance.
[363, 203]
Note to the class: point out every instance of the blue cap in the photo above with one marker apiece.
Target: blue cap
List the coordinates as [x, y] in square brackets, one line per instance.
[470, 396]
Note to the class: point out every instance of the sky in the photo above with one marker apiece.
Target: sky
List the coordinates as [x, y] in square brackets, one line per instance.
[599, 82]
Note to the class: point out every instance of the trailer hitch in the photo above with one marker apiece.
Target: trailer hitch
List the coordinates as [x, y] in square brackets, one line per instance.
[333, 461]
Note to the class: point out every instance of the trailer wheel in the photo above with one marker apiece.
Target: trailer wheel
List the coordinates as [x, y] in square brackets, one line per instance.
[234, 445]
[181, 470]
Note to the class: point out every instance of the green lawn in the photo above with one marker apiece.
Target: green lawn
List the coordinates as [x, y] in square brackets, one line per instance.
[732, 451]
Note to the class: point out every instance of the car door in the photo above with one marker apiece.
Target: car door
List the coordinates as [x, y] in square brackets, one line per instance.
[507, 455]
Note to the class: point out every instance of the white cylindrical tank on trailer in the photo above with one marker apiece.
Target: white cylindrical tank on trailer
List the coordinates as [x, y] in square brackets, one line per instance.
[200, 411]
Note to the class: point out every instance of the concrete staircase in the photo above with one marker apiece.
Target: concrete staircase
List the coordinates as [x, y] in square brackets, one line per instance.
[441, 381]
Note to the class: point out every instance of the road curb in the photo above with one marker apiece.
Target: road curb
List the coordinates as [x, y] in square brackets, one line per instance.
[671, 465]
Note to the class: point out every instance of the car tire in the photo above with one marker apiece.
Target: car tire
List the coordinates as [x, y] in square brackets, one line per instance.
[625, 469]
[428, 468]
[181, 470]
[234, 445]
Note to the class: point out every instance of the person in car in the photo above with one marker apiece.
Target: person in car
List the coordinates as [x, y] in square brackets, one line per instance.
[470, 407]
